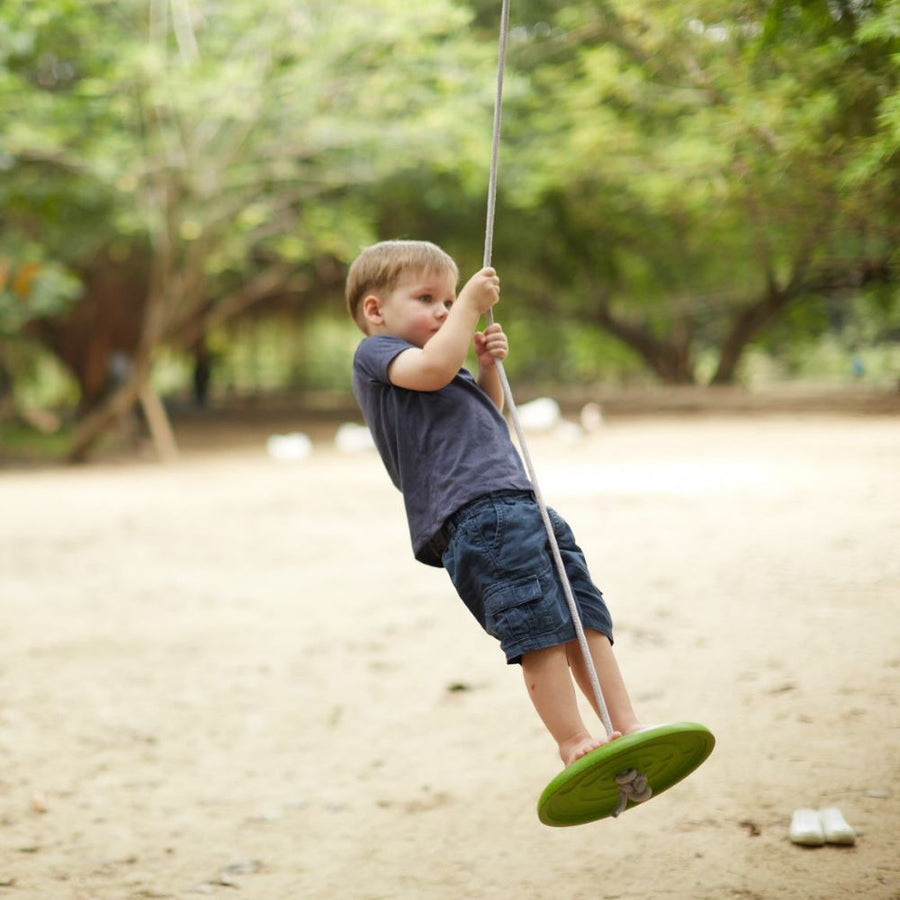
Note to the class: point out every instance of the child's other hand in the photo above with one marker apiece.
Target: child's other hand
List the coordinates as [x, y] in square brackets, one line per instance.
[490, 344]
[482, 289]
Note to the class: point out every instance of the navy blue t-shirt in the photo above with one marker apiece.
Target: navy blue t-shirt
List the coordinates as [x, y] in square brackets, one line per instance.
[442, 448]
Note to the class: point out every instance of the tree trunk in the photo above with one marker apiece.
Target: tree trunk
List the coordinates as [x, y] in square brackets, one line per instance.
[158, 422]
[670, 360]
[105, 321]
[113, 409]
[134, 383]
[751, 321]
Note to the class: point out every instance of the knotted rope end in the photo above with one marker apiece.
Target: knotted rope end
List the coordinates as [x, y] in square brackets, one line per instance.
[633, 786]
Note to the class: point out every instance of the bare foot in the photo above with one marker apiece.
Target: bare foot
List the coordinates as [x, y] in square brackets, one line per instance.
[582, 744]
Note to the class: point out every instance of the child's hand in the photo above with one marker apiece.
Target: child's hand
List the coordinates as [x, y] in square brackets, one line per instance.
[490, 344]
[482, 289]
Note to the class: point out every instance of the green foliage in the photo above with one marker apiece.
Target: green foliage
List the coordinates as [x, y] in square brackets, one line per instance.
[690, 159]
[232, 137]
[666, 168]
[32, 290]
[32, 286]
[19, 441]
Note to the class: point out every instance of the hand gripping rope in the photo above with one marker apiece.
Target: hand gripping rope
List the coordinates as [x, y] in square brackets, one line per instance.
[637, 766]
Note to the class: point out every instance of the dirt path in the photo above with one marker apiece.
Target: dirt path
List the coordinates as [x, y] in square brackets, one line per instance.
[229, 678]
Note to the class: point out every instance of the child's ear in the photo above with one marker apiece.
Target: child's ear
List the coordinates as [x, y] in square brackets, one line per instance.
[371, 309]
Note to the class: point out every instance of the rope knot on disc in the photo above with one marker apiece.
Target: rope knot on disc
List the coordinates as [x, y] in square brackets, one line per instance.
[633, 786]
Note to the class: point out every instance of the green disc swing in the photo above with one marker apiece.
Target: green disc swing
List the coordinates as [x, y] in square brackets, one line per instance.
[634, 767]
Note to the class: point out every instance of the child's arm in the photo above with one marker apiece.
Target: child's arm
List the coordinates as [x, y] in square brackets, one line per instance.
[434, 366]
[490, 345]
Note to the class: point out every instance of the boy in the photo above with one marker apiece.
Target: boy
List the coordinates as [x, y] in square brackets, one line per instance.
[469, 504]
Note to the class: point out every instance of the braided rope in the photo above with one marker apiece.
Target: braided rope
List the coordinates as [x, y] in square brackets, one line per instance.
[633, 787]
[507, 391]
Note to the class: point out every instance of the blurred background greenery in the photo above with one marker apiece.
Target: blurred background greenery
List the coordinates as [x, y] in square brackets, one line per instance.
[701, 193]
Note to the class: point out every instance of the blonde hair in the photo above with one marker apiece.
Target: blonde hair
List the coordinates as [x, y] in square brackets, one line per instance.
[379, 268]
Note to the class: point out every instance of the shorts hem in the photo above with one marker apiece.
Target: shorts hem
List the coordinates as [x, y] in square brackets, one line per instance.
[516, 651]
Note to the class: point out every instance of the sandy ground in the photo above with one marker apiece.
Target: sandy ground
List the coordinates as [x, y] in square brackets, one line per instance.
[228, 677]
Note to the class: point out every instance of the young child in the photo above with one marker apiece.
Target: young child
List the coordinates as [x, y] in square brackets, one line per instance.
[469, 503]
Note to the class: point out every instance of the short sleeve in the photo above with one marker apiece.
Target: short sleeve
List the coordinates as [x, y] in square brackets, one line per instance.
[374, 356]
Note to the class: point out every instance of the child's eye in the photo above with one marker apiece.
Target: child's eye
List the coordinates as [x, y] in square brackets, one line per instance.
[426, 298]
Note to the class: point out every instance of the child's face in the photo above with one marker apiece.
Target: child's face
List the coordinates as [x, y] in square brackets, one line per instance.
[418, 306]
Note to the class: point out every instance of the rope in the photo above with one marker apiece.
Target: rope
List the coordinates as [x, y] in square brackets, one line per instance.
[507, 391]
[632, 786]
[495, 142]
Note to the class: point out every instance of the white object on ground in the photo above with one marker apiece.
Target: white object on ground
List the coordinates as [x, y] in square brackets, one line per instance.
[539, 415]
[835, 827]
[806, 829]
[289, 447]
[591, 417]
[352, 438]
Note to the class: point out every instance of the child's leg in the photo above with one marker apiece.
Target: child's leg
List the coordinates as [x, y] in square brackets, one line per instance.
[612, 684]
[550, 688]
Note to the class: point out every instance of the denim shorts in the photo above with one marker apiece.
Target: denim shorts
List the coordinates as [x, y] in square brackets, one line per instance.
[499, 559]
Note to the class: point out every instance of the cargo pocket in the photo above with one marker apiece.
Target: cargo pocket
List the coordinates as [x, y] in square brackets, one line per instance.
[518, 610]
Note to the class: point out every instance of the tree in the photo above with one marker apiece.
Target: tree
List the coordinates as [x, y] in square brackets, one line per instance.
[681, 177]
[693, 171]
[223, 149]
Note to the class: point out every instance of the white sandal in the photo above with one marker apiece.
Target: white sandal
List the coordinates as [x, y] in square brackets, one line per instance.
[835, 827]
[806, 828]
